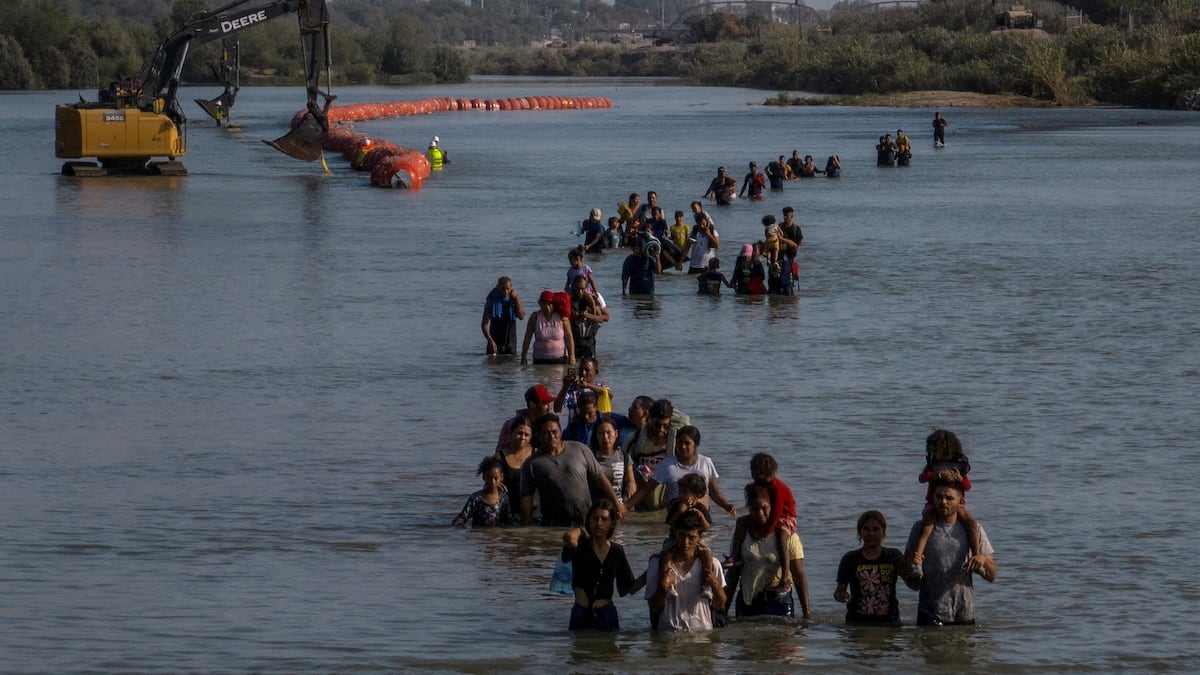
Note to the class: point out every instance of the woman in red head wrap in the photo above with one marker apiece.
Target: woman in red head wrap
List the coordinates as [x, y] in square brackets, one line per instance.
[549, 330]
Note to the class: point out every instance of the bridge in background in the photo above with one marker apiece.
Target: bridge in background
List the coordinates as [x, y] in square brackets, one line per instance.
[784, 11]
[779, 11]
[884, 5]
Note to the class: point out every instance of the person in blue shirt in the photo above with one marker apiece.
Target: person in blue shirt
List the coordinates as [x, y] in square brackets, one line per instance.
[592, 230]
[640, 268]
[501, 311]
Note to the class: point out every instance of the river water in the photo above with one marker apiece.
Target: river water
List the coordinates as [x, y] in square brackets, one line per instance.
[241, 407]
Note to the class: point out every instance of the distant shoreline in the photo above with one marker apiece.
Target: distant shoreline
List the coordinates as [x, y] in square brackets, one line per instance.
[921, 99]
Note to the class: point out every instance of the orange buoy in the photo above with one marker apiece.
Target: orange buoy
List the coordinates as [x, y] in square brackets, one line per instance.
[393, 166]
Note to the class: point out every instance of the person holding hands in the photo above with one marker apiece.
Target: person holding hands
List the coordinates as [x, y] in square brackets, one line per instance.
[685, 596]
[867, 576]
[705, 241]
[947, 594]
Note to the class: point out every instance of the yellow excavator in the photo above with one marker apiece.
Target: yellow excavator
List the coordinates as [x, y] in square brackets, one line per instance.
[139, 119]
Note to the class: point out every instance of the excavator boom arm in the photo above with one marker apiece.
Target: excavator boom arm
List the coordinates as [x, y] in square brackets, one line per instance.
[161, 72]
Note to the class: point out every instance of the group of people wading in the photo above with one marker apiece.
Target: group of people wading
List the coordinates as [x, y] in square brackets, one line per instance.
[589, 475]
[564, 328]
[898, 151]
[723, 188]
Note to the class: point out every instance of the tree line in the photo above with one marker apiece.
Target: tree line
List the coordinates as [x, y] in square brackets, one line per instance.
[1126, 52]
[80, 44]
[1149, 55]
[47, 44]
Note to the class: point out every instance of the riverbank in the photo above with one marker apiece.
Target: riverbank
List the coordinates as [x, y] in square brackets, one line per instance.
[920, 99]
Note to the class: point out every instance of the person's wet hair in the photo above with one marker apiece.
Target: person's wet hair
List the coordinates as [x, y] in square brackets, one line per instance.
[754, 492]
[643, 402]
[521, 421]
[689, 431]
[490, 462]
[545, 420]
[662, 409]
[945, 482]
[763, 463]
[688, 522]
[605, 505]
[868, 516]
[594, 439]
[942, 446]
[695, 484]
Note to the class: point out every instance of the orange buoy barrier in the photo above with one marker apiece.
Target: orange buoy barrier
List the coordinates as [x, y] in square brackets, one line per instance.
[393, 166]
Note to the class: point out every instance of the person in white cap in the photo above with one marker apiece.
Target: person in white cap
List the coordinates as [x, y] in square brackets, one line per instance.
[592, 230]
[436, 156]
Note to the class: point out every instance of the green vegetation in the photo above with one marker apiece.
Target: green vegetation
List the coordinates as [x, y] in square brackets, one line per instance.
[952, 45]
[943, 44]
[78, 44]
[1126, 52]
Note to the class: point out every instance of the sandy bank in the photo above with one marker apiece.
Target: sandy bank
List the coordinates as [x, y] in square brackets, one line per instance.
[927, 99]
[952, 99]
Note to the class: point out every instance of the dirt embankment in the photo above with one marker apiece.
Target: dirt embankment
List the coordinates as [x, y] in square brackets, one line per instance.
[923, 99]
[951, 99]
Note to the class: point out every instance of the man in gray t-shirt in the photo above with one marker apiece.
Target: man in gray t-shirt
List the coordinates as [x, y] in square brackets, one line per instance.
[563, 475]
[947, 595]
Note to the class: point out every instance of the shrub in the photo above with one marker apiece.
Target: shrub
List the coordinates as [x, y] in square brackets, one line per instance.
[935, 42]
[15, 70]
[1090, 44]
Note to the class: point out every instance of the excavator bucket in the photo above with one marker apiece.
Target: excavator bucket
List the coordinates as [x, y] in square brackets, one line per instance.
[213, 108]
[303, 142]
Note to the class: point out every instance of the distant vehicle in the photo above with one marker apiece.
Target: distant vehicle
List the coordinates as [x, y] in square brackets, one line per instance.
[1016, 17]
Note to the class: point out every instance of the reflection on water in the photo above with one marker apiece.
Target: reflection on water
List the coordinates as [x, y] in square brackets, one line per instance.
[782, 308]
[772, 642]
[589, 649]
[137, 198]
[964, 647]
[874, 643]
[243, 405]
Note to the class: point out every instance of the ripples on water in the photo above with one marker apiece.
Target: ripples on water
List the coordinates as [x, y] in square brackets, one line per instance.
[241, 406]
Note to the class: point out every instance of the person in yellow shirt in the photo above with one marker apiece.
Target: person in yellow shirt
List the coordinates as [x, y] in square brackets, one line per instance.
[679, 233]
[903, 148]
[436, 156]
